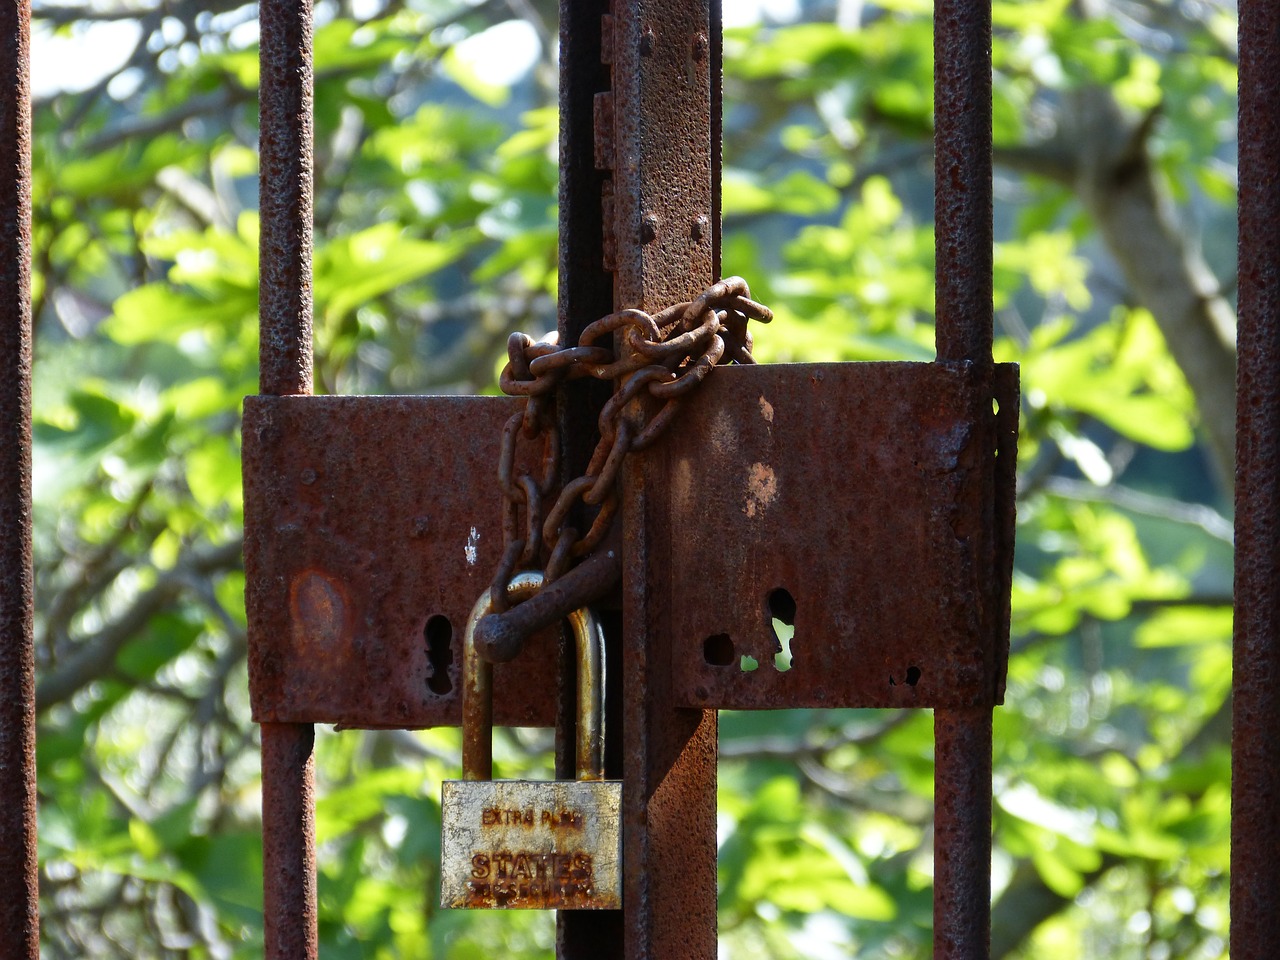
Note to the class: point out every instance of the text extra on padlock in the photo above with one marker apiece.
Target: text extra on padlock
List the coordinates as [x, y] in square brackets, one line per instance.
[532, 844]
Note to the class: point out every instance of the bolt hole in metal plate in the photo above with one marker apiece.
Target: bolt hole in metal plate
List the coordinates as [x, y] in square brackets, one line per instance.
[831, 538]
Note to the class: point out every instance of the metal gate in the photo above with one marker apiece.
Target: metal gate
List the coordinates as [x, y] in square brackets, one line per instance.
[640, 228]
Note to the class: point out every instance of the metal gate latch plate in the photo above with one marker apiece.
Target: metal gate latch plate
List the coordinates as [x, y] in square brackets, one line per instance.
[869, 504]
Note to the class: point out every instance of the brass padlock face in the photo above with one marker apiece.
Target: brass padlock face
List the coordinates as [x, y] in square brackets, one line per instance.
[532, 844]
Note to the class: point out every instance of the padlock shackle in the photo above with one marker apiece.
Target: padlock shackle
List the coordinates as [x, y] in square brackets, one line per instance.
[477, 688]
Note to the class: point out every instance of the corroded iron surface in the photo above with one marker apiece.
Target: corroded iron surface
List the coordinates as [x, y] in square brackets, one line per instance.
[285, 188]
[531, 845]
[1255, 747]
[962, 179]
[853, 502]
[371, 529]
[289, 841]
[19, 916]
[665, 244]
[963, 243]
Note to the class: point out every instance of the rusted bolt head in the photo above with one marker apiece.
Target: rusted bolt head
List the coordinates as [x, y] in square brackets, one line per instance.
[308, 476]
[649, 229]
[496, 640]
[698, 229]
[646, 42]
[700, 47]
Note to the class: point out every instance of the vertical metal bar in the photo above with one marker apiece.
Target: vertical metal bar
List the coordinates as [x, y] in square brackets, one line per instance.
[962, 833]
[664, 200]
[284, 256]
[963, 224]
[962, 178]
[716, 34]
[19, 907]
[285, 196]
[1255, 747]
[586, 292]
[288, 841]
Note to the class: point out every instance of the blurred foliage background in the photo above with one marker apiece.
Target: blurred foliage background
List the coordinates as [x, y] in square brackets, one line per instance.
[435, 238]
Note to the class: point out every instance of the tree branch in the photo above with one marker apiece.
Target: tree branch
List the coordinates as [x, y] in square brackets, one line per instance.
[1163, 508]
[95, 657]
[1102, 156]
[1117, 184]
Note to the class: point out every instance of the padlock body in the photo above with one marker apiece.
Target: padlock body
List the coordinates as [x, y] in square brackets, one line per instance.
[531, 844]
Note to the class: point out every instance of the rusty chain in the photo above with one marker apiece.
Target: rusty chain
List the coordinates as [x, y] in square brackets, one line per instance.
[664, 355]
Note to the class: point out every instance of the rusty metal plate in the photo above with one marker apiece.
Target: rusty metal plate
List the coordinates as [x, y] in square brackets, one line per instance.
[855, 501]
[372, 524]
[531, 845]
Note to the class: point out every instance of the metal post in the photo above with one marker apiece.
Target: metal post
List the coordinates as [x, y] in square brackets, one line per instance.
[1255, 748]
[285, 197]
[19, 908]
[664, 198]
[962, 833]
[962, 178]
[285, 202]
[963, 224]
[288, 841]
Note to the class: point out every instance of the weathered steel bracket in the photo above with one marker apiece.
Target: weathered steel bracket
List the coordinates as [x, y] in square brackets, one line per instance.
[875, 495]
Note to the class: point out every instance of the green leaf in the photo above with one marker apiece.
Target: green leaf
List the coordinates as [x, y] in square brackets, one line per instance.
[799, 192]
[160, 312]
[1185, 626]
[165, 637]
[213, 474]
[360, 267]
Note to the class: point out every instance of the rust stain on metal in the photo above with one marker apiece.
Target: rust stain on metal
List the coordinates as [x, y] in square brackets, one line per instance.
[871, 491]
[1255, 749]
[604, 157]
[762, 488]
[766, 409]
[342, 575]
[19, 908]
[318, 607]
[659, 86]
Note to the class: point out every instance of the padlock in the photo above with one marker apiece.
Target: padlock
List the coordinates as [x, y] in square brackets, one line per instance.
[530, 844]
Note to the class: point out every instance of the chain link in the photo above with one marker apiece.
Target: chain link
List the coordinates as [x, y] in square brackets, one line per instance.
[664, 355]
